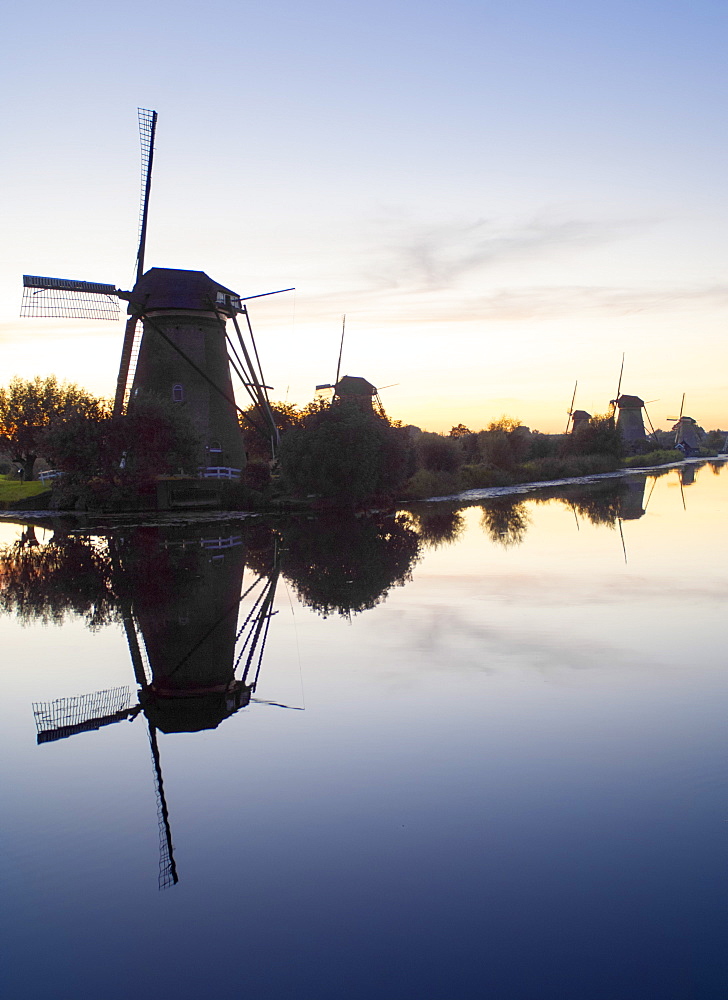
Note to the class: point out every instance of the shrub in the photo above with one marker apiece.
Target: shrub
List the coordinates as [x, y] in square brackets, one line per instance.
[473, 477]
[437, 453]
[495, 446]
[157, 437]
[545, 445]
[257, 475]
[344, 455]
[424, 484]
[660, 457]
[598, 436]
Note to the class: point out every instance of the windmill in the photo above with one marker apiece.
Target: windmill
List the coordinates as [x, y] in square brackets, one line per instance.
[687, 433]
[576, 418]
[629, 419]
[192, 671]
[176, 343]
[353, 389]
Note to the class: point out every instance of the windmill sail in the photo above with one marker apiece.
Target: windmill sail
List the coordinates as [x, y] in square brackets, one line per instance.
[66, 298]
[147, 130]
[133, 332]
[55, 720]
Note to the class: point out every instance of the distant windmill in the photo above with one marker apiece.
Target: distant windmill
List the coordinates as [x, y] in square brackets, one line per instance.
[629, 420]
[688, 434]
[576, 418]
[353, 389]
[176, 344]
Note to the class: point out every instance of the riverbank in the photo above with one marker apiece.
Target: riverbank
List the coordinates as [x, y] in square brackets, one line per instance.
[485, 493]
[106, 520]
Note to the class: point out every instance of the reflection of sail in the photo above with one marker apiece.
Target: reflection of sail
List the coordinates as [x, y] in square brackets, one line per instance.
[167, 867]
[55, 720]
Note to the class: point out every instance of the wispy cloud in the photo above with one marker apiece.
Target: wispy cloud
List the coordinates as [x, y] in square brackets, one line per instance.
[407, 271]
[512, 304]
[436, 256]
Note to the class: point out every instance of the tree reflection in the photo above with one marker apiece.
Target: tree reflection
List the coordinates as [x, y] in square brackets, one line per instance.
[69, 575]
[505, 520]
[347, 564]
[438, 525]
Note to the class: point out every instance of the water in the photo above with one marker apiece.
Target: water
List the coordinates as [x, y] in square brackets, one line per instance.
[500, 771]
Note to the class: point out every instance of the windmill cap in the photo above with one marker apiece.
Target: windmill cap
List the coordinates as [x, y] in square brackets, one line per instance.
[170, 288]
[353, 385]
[630, 402]
[580, 415]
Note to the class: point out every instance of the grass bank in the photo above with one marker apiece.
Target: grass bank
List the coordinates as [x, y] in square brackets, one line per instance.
[426, 483]
[13, 491]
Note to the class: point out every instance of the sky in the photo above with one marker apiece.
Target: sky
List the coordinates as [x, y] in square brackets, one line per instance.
[501, 197]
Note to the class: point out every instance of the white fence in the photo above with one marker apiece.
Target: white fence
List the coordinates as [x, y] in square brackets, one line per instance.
[218, 472]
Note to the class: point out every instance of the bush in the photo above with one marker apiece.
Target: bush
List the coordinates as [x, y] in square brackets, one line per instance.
[480, 476]
[598, 436]
[344, 455]
[437, 453]
[257, 475]
[661, 457]
[716, 440]
[424, 484]
[545, 445]
[545, 469]
[504, 449]
[156, 438]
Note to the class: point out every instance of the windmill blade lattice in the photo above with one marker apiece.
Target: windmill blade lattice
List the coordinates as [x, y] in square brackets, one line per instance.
[147, 129]
[66, 298]
[55, 720]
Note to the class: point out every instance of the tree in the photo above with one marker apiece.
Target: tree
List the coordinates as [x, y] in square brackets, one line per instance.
[598, 436]
[344, 454]
[255, 423]
[28, 408]
[438, 453]
[156, 437]
[460, 430]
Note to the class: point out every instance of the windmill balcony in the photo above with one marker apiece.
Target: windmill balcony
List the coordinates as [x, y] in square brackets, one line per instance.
[218, 472]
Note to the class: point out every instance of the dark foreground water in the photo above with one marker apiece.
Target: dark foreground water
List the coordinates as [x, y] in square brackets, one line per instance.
[485, 755]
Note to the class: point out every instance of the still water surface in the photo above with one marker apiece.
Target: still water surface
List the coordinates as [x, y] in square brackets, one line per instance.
[485, 754]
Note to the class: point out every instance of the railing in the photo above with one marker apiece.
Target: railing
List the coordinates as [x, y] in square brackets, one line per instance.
[221, 543]
[48, 474]
[218, 472]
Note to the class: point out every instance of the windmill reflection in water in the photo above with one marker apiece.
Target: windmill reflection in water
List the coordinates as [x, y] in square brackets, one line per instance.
[196, 644]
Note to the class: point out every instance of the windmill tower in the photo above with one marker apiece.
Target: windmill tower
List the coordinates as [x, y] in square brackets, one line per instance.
[629, 419]
[579, 418]
[176, 343]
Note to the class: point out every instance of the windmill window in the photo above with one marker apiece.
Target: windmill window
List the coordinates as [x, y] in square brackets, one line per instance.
[216, 447]
[178, 393]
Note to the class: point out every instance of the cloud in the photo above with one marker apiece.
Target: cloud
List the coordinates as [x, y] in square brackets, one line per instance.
[400, 305]
[431, 257]
[405, 271]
